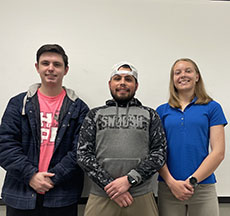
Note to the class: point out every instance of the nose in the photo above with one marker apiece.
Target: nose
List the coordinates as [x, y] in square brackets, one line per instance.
[51, 67]
[182, 74]
[122, 81]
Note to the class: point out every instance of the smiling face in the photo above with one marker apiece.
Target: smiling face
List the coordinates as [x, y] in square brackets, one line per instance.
[184, 77]
[51, 69]
[123, 86]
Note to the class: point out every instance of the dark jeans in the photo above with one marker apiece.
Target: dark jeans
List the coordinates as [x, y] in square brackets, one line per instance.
[43, 211]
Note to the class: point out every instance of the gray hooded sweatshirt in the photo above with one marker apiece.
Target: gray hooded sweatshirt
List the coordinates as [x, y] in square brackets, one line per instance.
[116, 140]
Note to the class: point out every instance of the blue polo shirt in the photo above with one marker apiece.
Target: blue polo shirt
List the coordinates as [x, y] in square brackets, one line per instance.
[188, 135]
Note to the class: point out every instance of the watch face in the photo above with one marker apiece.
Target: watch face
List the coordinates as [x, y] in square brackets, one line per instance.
[193, 181]
[131, 180]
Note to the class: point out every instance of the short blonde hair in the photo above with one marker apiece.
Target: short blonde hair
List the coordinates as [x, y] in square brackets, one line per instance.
[200, 92]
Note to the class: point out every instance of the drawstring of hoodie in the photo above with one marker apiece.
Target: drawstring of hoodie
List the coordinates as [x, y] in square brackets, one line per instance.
[127, 111]
[117, 113]
[132, 102]
[24, 105]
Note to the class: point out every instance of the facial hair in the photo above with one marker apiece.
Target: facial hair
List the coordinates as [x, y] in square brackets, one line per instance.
[121, 100]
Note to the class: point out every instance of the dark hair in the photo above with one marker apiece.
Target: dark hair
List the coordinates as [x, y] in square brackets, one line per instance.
[55, 48]
[127, 67]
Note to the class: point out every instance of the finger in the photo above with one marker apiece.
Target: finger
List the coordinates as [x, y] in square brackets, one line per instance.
[47, 174]
[119, 202]
[46, 186]
[189, 187]
[115, 196]
[109, 191]
[48, 180]
[125, 204]
[108, 186]
[186, 197]
[129, 196]
[129, 201]
[189, 193]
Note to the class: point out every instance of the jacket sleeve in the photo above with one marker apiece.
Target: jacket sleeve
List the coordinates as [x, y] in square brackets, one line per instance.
[64, 168]
[86, 152]
[12, 157]
[157, 149]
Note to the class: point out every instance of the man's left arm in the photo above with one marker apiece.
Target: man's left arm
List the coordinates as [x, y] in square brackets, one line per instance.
[157, 149]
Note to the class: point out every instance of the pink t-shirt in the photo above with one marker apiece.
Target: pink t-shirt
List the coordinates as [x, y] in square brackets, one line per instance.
[49, 114]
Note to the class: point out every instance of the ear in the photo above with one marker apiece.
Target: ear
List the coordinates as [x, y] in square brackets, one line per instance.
[136, 86]
[197, 77]
[66, 70]
[36, 66]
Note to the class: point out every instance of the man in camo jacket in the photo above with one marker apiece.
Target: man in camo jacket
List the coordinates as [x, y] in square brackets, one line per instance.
[121, 146]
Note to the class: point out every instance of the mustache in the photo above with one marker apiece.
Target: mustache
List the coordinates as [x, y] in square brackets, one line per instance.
[122, 89]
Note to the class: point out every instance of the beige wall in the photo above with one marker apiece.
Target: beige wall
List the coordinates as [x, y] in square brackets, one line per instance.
[96, 34]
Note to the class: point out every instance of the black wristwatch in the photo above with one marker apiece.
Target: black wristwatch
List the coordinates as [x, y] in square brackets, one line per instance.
[193, 181]
[131, 180]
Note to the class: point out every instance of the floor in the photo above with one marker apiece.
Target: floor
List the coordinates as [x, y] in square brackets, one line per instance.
[80, 210]
[224, 210]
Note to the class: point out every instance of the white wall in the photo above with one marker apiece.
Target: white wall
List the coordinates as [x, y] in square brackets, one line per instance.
[96, 34]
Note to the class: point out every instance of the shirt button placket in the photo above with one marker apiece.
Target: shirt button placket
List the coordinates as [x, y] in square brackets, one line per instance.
[182, 120]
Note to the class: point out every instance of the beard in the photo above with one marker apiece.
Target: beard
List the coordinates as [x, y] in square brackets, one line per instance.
[122, 99]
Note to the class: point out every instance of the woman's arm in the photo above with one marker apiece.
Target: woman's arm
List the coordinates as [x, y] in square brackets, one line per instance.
[215, 157]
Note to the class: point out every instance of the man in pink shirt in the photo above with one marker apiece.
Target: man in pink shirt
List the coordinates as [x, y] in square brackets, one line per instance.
[38, 141]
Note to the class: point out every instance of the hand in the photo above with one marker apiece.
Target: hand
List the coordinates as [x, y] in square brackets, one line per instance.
[182, 190]
[117, 187]
[41, 182]
[124, 200]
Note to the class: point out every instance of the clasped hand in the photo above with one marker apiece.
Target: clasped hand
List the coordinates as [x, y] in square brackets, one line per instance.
[117, 190]
[41, 182]
[182, 190]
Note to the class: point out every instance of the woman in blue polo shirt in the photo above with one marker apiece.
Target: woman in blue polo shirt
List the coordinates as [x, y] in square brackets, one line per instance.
[193, 122]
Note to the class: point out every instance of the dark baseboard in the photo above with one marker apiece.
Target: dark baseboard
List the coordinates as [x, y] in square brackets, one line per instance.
[83, 200]
[224, 199]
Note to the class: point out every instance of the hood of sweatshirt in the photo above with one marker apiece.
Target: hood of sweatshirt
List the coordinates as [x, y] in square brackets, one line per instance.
[132, 102]
[33, 90]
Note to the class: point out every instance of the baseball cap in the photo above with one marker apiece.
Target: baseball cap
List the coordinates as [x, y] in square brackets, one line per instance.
[115, 69]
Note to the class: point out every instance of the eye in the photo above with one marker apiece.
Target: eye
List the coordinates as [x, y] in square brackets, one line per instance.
[117, 78]
[188, 70]
[128, 79]
[177, 72]
[57, 64]
[45, 63]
